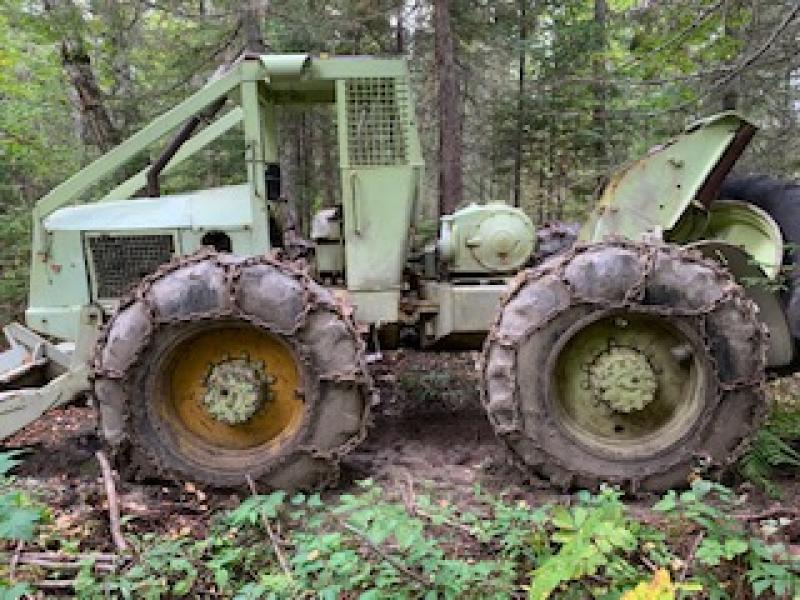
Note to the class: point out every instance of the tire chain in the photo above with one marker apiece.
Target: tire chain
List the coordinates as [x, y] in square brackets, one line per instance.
[232, 269]
[648, 251]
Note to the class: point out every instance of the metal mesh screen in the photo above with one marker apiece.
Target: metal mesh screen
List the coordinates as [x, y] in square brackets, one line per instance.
[376, 117]
[119, 262]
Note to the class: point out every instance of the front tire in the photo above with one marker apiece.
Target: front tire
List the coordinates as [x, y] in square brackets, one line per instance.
[218, 369]
[626, 363]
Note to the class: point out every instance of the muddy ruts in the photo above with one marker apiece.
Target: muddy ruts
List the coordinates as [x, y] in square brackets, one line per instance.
[660, 283]
[261, 294]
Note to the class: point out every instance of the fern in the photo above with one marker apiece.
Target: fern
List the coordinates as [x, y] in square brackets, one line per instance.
[771, 450]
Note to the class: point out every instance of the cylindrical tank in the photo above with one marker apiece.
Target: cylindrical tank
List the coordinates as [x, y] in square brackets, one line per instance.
[488, 238]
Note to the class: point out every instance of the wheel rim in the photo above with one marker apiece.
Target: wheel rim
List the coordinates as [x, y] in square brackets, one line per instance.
[229, 388]
[630, 385]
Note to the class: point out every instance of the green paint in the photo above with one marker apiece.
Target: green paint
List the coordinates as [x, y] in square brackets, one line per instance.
[626, 384]
[494, 238]
[382, 171]
[651, 194]
[623, 379]
[749, 228]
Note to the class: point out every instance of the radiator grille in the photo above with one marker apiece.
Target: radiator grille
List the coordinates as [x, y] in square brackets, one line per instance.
[376, 119]
[120, 262]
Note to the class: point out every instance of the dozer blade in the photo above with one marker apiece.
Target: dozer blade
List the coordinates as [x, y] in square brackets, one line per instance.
[20, 408]
[35, 376]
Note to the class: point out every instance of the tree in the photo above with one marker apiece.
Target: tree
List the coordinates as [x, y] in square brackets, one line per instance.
[450, 140]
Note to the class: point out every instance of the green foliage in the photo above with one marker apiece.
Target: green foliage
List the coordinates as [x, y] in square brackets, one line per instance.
[19, 514]
[365, 544]
[724, 540]
[15, 591]
[14, 256]
[772, 450]
[19, 518]
[426, 385]
[593, 535]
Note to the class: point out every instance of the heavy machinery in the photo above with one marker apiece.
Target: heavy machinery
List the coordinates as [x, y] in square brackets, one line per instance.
[213, 355]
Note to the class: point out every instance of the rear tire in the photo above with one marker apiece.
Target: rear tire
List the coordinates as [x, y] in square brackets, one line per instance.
[217, 369]
[632, 364]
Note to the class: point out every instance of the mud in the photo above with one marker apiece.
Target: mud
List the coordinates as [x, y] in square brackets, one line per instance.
[411, 446]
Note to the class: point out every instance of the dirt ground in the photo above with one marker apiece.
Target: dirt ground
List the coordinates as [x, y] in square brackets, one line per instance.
[428, 429]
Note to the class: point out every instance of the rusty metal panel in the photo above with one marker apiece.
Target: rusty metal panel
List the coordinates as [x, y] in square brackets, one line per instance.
[651, 194]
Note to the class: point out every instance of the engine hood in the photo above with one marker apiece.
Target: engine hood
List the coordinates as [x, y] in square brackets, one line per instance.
[218, 208]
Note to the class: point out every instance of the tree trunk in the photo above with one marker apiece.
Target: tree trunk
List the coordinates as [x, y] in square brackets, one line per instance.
[305, 162]
[94, 119]
[523, 37]
[599, 124]
[252, 17]
[96, 125]
[288, 159]
[450, 142]
[329, 165]
[399, 34]
[730, 91]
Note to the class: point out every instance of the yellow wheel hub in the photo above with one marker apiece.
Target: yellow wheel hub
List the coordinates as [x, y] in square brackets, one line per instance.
[234, 388]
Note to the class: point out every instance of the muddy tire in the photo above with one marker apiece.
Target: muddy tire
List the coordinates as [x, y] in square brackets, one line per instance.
[632, 364]
[216, 369]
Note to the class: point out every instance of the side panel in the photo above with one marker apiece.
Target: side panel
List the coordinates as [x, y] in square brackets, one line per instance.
[463, 309]
[377, 214]
[379, 153]
[59, 288]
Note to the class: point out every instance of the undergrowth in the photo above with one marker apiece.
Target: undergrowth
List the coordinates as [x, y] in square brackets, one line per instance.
[14, 260]
[774, 450]
[370, 544]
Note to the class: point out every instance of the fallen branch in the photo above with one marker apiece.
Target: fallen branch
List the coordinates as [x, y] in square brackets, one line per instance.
[276, 545]
[409, 499]
[54, 584]
[12, 567]
[56, 562]
[60, 556]
[389, 559]
[648, 563]
[769, 513]
[113, 503]
[690, 556]
[60, 565]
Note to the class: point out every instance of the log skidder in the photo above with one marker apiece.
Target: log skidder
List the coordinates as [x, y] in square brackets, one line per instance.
[218, 368]
[625, 362]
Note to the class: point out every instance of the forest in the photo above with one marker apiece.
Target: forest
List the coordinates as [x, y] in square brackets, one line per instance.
[528, 102]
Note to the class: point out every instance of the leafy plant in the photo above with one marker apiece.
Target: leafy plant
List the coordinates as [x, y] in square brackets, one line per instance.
[726, 540]
[592, 536]
[772, 449]
[369, 545]
[19, 514]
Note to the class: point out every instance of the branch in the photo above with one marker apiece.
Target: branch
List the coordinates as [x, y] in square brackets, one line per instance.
[690, 556]
[12, 569]
[750, 60]
[276, 546]
[768, 513]
[680, 36]
[384, 556]
[113, 503]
